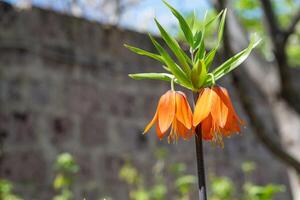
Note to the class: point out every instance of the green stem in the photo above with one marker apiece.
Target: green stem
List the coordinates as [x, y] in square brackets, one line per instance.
[172, 84]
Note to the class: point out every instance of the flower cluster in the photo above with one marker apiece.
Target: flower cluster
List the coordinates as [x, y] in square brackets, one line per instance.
[213, 114]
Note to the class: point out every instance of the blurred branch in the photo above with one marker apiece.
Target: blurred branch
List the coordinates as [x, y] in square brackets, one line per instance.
[292, 28]
[279, 39]
[272, 21]
[259, 122]
[247, 88]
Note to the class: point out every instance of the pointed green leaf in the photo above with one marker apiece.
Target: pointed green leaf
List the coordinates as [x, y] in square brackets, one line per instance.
[221, 27]
[200, 47]
[234, 61]
[154, 76]
[175, 69]
[197, 38]
[157, 76]
[213, 19]
[192, 24]
[174, 46]
[183, 24]
[211, 55]
[144, 53]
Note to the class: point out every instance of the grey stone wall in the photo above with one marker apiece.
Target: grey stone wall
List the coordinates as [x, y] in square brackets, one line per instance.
[64, 87]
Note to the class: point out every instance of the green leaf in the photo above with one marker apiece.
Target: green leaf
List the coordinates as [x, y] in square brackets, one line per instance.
[199, 74]
[175, 69]
[193, 21]
[144, 53]
[197, 39]
[213, 19]
[200, 47]
[153, 76]
[211, 55]
[221, 27]
[157, 76]
[183, 24]
[174, 46]
[235, 61]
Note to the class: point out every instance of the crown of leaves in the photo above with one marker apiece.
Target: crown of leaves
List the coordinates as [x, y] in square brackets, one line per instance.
[191, 72]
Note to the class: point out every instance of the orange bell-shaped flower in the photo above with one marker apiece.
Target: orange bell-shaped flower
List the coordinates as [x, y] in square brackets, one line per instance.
[216, 115]
[173, 111]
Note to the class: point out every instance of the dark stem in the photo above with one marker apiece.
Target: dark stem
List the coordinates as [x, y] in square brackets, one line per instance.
[200, 160]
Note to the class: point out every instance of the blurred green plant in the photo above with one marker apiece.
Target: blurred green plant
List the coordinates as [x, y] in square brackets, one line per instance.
[267, 192]
[256, 192]
[224, 189]
[250, 15]
[6, 191]
[182, 185]
[66, 168]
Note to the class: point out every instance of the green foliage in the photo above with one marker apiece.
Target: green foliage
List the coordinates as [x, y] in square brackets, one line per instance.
[191, 72]
[6, 191]
[248, 167]
[267, 192]
[185, 27]
[222, 188]
[129, 174]
[235, 61]
[183, 183]
[65, 168]
[65, 163]
[251, 15]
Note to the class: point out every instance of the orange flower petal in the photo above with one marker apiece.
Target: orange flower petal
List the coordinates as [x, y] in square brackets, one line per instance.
[166, 110]
[233, 122]
[219, 112]
[222, 92]
[160, 134]
[151, 123]
[183, 131]
[206, 127]
[203, 105]
[183, 110]
[232, 125]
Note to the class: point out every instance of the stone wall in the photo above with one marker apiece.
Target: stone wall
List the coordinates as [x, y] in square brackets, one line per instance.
[64, 87]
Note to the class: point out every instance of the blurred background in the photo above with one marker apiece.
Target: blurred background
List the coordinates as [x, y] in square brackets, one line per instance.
[71, 119]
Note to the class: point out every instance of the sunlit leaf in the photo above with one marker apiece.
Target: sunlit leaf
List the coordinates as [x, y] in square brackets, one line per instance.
[200, 47]
[175, 69]
[144, 53]
[153, 76]
[235, 61]
[212, 20]
[183, 24]
[211, 55]
[174, 46]
[157, 76]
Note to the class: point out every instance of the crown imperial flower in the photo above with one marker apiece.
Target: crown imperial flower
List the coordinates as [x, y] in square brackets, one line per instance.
[216, 115]
[173, 112]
